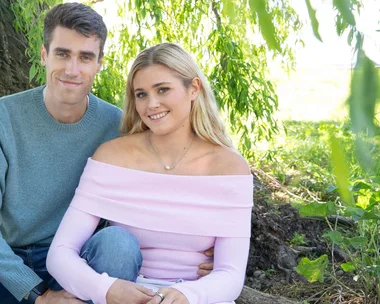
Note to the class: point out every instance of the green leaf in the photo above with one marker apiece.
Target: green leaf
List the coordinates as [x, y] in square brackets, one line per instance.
[334, 236]
[267, 28]
[364, 93]
[314, 209]
[331, 208]
[347, 267]
[358, 213]
[350, 36]
[356, 242]
[362, 201]
[359, 185]
[340, 170]
[344, 9]
[313, 270]
[32, 72]
[355, 212]
[371, 216]
[313, 19]
[230, 10]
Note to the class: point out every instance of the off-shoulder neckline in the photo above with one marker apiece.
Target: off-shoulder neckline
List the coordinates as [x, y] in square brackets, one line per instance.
[125, 169]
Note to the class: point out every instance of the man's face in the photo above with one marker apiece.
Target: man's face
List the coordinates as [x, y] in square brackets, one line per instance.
[71, 65]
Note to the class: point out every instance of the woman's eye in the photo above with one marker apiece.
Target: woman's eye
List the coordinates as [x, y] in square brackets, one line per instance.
[140, 95]
[163, 90]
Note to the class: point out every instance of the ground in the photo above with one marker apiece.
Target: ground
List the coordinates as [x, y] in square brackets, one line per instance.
[275, 251]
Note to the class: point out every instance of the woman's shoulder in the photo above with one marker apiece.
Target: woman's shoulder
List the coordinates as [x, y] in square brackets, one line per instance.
[116, 150]
[227, 161]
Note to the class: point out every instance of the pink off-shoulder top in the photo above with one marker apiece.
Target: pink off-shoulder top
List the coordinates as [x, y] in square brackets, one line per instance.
[175, 219]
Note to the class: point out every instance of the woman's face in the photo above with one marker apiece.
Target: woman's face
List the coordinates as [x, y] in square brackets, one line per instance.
[162, 101]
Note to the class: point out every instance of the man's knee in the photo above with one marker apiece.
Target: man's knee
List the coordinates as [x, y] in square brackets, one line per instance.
[115, 251]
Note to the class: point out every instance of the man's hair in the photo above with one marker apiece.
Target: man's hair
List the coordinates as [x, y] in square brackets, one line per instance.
[78, 17]
[204, 116]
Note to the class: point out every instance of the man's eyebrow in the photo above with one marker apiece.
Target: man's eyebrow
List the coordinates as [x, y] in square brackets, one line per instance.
[87, 53]
[60, 49]
[154, 86]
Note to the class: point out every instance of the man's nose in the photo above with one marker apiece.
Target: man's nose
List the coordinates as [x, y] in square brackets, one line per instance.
[72, 67]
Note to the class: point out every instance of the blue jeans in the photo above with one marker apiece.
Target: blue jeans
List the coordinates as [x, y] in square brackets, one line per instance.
[112, 250]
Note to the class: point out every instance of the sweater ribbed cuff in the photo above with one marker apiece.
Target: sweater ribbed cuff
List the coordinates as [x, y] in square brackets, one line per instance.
[21, 282]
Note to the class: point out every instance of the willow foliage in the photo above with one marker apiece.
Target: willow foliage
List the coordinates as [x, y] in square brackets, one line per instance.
[229, 39]
[29, 20]
[232, 40]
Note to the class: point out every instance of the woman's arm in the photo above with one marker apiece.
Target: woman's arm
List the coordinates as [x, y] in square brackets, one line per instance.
[226, 281]
[65, 264]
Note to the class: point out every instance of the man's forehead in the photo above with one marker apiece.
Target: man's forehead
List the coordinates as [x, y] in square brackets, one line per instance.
[74, 41]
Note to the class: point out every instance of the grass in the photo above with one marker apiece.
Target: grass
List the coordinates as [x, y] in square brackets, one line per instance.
[297, 161]
[299, 157]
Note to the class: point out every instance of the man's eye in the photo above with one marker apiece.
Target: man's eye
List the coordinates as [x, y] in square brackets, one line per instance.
[61, 54]
[86, 58]
[163, 90]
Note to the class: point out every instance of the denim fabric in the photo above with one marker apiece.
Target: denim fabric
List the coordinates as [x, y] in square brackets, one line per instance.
[105, 251]
[115, 251]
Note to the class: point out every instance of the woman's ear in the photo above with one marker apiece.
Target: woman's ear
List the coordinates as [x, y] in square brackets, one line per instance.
[195, 88]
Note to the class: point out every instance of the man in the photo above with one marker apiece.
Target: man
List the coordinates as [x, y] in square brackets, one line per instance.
[46, 136]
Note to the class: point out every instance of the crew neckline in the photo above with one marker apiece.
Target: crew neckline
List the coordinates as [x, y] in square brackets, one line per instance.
[82, 123]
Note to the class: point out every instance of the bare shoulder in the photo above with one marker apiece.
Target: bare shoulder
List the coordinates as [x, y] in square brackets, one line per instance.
[107, 151]
[116, 150]
[229, 162]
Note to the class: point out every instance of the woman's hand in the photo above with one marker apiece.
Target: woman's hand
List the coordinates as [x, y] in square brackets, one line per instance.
[126, 292]
[170, 295]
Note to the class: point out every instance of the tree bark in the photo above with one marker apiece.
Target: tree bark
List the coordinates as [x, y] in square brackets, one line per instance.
[252, 296]
[14, 65]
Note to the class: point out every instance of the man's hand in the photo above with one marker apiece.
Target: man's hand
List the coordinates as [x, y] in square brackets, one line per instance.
[57, 297]
[171, 295]
[206, 268]
[126, 292]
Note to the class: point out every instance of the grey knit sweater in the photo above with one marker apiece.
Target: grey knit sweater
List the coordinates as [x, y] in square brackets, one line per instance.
[41, 161]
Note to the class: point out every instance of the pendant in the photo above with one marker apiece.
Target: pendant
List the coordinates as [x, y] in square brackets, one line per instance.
[168, 168]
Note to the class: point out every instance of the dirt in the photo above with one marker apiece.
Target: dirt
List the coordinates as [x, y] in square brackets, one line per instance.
[274, 255]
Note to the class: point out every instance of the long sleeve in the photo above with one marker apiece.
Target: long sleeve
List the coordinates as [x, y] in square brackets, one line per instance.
[119, 195]
[18, 278]
[65, 264]
[225, 282]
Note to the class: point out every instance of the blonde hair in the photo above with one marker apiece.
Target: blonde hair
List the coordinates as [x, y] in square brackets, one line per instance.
[204, 117]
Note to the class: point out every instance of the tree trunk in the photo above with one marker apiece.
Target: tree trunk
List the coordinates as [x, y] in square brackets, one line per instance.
[14, 65]
[252, 296]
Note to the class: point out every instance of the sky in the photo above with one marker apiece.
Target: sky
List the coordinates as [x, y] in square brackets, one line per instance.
[334, 50]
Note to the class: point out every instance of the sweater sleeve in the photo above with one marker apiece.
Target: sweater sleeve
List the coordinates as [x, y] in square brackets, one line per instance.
[15, 276]
[65, 264]
[225, 282]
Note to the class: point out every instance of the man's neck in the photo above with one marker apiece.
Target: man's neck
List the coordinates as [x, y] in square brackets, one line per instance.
[64, 112]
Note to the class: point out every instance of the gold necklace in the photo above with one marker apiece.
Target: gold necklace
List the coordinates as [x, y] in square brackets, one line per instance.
[167, 167]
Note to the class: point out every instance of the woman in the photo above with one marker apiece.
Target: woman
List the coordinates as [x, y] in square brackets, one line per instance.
[174, 181]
